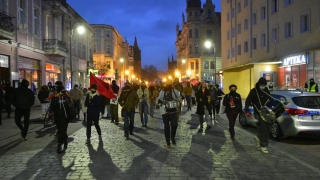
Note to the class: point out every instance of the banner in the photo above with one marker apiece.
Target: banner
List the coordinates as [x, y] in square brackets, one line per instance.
[104, 89]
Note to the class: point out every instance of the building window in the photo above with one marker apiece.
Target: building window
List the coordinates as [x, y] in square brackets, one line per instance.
[232, 32]
[239, 7]
[196, 13]
[190, 33]
[197, 49]
[239, 28]
[108, 64]
[245, 47]
[239, 49]
[228, 17]
[192, 65]
[228, 35]
[57, 28]
[232, 52]
[254, 19]
[36, 21]
[245, 4]
[47, 26]
[287, 30]
[94, 48]
[287, 2]
[274, 35]
[206, 65]
[263, 13]
[274, 6]
[108, 48]
[304, 23]
[190, 13]
[107, 33]
[245, 24]
[22, 14]
[228, 54]
[197, 66]
[254, 43]
[209, 13]
[232, 13]
[196, 33]
[263, 40]
[209, 33]
[84, 52]
[190, 49]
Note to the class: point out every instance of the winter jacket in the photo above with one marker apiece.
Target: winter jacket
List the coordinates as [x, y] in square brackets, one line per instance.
[115, 88]
[75, 94]
[187, 90]
[153, 94]
[58, 106]
[237, 101]
[93, 101]
[205, 101]
[253, 100]
[128, 100]
[213, 94]
[8, 92]
[22, 98]
[43, 94]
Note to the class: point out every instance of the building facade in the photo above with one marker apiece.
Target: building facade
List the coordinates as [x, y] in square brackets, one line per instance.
[194, 59]
[34, 43]
[275, 39]
[137, 59]
[172, 67]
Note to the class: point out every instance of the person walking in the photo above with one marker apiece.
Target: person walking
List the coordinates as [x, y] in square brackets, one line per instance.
[214, 97]
[204, 105]
[58, 105]
[218, 102]
[153, 94]
[259, 96]
[178, 86]
[143, 94]
[23, 98]
[312, 86]
[76, 96]
[188, 92]
[169, 95]
[84, 108]
[233, 104]
[43, 95]
[8, 93]
[128, 100]
[92, 102]
[114, 103]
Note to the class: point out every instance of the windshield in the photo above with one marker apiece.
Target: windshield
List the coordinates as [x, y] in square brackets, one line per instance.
[311, 102]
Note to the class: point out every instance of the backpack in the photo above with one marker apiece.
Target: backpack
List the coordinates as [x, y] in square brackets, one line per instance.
[168, 95]
[70, 110]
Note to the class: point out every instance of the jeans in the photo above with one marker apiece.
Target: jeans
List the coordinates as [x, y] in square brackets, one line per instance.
[218, 107]
[188, 98]
[144, 112]
[232, 121]
[106, 112]
[152, 106]
[62, 125]
[128, 121]
[213, 108]
[26, 116]
[263, 131]
[114, 112]
[170, 122]
[44, 108]
[77, 107]
[95, 119]
[207, 117]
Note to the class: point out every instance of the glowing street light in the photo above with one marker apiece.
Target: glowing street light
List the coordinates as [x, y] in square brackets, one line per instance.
[177, 73]
[170, 77]
[126, 72]
[133, 76]
[189, 72]
[208, 45]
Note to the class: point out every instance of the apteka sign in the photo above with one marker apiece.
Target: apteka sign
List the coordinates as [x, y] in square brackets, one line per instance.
[293, 60]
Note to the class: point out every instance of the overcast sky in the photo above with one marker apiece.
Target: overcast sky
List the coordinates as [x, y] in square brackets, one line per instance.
[153, 22]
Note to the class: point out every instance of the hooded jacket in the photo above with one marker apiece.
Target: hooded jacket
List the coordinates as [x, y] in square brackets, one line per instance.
[43, 94]
[254, 95]
[93, 101]
[23, 97]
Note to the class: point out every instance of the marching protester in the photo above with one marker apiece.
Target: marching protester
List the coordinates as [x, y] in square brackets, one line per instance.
[76, 96]
[143, 94]
[84, 108]
[178, 86]
[233, 104]
[218, 102]
[153, 94]
[63, 110]
[114, 106]
[258, 97]
[93, 101]
[128, 100]
[204, 105]
[8, 93]
[169, 97]
[23, 98]
[214, 97]
[188, 92]
[43, 95]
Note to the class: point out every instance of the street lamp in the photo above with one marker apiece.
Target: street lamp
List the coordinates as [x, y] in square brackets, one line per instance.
[208, 45]
[80, 30]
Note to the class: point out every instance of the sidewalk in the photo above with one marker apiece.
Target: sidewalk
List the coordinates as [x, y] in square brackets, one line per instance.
[198, 155]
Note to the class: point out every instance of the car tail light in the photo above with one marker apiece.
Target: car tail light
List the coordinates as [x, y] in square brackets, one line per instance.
[293, 112]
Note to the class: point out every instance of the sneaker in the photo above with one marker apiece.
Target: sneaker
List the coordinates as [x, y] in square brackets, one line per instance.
[167, 146]
[264, 150]
[23, 138]
[88, 142]
[173, 141]
[145, 125]
[256, 138]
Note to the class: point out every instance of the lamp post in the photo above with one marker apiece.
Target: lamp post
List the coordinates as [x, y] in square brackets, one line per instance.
[208, 45]
[80, 30]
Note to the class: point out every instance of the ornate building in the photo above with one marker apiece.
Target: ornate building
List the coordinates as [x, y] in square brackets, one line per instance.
[172, 67]
[202, 25]
[137, 59]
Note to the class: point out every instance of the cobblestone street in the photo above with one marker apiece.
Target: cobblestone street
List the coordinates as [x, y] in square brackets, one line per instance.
[198, 155]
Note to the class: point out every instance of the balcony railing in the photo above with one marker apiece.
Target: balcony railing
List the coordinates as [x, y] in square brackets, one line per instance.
[6, 27]
[55, 47]
[57, 7]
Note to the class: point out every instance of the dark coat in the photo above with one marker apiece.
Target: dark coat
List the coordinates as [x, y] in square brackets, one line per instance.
[93, 103]
[22, 98]
[115, 88]
[237, 102]
[9, 90]
[43, 95]
[204, 103]
[128, 100]
[253, 100]
[57, 107]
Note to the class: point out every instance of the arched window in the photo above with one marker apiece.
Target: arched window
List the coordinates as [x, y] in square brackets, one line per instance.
[209, 13]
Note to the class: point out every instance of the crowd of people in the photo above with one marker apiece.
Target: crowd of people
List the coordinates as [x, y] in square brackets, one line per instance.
[165, 96]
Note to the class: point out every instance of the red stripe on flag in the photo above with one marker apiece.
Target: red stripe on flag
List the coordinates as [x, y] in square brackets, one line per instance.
[104, 88]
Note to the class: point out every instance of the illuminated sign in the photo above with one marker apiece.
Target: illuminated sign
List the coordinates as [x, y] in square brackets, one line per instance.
[293, 60]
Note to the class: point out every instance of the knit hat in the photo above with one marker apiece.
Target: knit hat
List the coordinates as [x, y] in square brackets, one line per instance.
[94, 86]
[263, 81]
[25, 83]
[58, 83]
[59, 88]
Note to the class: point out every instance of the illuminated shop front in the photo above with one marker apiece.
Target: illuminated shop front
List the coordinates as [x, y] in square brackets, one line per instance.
[52, 73]
[29, 69]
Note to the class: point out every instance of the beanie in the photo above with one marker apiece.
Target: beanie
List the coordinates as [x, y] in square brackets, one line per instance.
[263, 81]
[24, 83]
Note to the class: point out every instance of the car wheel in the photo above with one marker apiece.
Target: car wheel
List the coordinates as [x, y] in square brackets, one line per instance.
[243, 119]
[276, 132]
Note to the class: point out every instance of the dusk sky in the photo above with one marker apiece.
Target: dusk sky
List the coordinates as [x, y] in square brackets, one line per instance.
[153, 22]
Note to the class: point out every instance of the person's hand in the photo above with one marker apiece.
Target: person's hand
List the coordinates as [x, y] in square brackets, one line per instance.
[200, 100]
[248, 114]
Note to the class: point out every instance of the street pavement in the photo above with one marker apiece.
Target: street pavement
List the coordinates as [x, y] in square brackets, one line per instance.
[198, 154]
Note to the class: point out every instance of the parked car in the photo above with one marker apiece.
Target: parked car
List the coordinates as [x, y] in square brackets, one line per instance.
[302, 114]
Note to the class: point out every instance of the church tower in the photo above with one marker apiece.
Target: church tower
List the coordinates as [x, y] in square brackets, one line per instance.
[137, 59]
